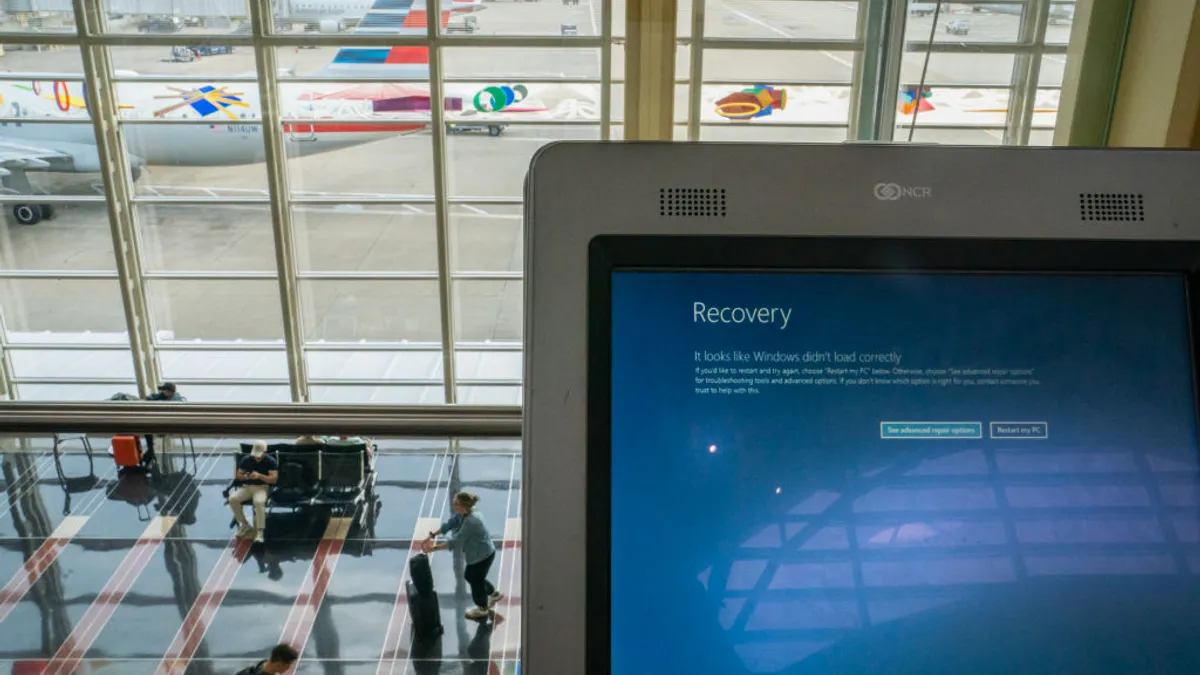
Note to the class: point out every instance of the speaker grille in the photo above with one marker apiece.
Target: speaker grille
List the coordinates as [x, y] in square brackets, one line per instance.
[1112, 206]
[691, 202]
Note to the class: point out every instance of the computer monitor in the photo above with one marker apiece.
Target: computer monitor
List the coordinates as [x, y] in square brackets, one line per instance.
[861, 409]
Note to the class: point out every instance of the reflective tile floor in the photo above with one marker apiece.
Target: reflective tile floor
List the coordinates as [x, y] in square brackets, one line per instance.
[108, 574]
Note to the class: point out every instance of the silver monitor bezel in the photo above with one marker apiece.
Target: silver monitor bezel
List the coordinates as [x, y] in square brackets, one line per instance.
[576, 192]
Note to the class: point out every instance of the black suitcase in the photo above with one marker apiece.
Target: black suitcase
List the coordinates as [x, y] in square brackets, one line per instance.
[422, 599]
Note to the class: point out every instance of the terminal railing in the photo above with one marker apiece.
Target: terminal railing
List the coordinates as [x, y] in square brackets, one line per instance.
[255, 419]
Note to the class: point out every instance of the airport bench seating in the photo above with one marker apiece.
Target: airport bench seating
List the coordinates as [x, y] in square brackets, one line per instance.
[335, 474]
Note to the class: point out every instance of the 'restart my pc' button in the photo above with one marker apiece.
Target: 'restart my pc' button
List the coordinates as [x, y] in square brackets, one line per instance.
[1019, 430]
[930, 430]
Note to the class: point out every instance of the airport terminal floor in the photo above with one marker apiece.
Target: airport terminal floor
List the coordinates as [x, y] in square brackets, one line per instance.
[134, 573]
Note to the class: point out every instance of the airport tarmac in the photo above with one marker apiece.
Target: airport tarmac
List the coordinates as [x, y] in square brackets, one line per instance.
[401, 239]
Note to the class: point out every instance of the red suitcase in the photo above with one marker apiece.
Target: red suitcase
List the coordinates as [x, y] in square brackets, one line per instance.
[127, 451]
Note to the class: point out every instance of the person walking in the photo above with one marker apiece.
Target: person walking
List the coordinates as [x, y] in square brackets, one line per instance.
[466, 532]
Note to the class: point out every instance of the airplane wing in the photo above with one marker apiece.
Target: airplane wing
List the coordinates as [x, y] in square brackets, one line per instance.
[20, 156]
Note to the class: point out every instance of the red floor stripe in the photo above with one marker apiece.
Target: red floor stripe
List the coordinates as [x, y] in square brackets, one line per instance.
[308, 601]
[187, 640]
[45, 555]
[72, 650]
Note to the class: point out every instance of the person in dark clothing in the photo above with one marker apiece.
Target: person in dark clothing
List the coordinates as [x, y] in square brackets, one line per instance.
[255, 474]
[166, 392]
[468, 534]
[282, 658]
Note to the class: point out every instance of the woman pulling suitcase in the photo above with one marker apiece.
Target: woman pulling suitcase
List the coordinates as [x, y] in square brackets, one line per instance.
[467, 533]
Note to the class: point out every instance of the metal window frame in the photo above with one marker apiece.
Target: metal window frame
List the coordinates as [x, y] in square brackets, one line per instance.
[872, 117]
[1027, 67]
[699, 43]
[116, 191]
[879, 50]
[110, 147]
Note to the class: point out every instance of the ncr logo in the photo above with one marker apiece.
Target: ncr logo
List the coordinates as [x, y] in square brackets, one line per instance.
[890, 192]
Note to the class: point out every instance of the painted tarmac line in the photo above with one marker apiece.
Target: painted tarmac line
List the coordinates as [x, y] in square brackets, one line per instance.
[195, 625]
[784, 34]
[398, 622]
[45, 555]
[312, 593]
[73, 649]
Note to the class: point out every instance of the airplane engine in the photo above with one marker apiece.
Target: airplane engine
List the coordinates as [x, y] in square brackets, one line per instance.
[85, 159]
[330, 26]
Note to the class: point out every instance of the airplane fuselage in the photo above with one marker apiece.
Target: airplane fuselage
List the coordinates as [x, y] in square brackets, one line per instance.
[203, 145]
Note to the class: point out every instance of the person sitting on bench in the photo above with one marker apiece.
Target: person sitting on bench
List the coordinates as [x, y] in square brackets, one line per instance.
[256, 473]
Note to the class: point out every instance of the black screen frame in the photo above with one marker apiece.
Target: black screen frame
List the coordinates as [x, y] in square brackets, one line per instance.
[610, 253]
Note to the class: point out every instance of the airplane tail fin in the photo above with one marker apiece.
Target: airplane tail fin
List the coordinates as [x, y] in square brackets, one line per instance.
[394, 17]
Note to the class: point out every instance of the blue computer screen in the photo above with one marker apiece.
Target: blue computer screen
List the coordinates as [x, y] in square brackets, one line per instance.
[903, 473]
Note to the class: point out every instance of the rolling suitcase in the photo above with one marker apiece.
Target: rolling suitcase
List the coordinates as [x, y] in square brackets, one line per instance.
[422, 599]
[127, 451]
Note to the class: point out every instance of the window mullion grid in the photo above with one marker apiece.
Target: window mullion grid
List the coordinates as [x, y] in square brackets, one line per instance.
[8, 384]
[281, 215]
[1027, 72]
[895, 20]
[696, 66]
[440, 212]
[606, 83]
[89, 18]
[865, 77]
[1032, 71]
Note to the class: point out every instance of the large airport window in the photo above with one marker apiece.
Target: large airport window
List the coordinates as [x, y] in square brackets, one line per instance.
[400, 311]
[190, 308]
[487, 238]
[213, 18]
[549, 63]
[378, 395]
[965, 24]
[753, 66]
[408, 172]
[67, 309]
[216, 237]
[366, 238]
[489, 312]
[359, 192]
[782, 20]
[495, 167]
[490, 395]
[77, 239]
[215, 159]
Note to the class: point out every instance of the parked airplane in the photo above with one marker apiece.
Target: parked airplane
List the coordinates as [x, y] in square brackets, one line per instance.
[315, 121]
[333, 16]
[1058, 11]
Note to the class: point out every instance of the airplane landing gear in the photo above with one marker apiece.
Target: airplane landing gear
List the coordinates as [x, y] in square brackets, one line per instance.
[32, 214]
